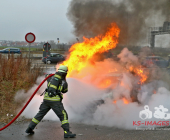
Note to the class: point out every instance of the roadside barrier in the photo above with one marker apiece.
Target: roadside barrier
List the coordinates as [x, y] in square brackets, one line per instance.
[26, 103]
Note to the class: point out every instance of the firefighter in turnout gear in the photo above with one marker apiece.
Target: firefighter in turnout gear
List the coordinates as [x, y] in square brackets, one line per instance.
[53, 100]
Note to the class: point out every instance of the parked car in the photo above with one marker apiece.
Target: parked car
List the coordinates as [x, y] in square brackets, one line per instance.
[11, 50]
[151, 61]
[53, 58]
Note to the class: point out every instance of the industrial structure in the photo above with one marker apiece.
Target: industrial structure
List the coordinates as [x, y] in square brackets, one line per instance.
[158, 31]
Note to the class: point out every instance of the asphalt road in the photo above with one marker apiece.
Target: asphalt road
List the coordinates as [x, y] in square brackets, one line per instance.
[50, 130]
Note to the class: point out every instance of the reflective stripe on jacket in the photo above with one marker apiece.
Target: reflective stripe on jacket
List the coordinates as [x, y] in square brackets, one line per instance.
[58, 85]
[55, 98]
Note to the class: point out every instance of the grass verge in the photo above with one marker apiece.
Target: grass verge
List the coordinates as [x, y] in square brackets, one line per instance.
[15, 74]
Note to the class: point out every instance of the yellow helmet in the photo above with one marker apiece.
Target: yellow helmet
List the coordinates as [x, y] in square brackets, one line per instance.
[63, 69]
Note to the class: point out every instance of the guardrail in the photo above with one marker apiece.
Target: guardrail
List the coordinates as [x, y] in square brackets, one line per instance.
[32, 56]
[41, 52]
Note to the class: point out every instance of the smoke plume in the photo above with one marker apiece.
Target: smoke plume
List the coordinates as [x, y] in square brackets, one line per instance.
[86, 103]
[92, 17]
[81, 103]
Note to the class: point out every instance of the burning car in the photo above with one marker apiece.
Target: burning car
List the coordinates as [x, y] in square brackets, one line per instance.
[120, 79]
[151, 61]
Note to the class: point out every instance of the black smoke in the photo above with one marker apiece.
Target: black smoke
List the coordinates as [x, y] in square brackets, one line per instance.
[92, 17]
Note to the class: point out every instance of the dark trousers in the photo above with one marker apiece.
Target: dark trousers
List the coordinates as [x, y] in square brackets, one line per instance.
[59, 110]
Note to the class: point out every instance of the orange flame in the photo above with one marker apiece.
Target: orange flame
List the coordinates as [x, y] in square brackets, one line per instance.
[154, 91]
[114, 101]
[82, 53]
[112, 70]
[142, 75]
[125, 101]
[139, 72]
[106, 83]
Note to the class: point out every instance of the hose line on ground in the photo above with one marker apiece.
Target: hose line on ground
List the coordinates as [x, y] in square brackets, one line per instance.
[26, 103]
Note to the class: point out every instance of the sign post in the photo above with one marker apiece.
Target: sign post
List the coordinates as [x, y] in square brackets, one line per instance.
[46, 56]
[46, 51]
[30, 38]
[58, 40]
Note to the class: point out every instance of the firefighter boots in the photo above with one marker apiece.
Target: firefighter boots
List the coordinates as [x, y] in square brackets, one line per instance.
[69, 134]
[29, 131]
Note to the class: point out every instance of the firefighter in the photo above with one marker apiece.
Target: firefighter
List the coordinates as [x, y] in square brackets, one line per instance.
[53, 100]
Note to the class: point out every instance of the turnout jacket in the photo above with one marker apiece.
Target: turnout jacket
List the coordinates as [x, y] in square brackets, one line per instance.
[58, 84]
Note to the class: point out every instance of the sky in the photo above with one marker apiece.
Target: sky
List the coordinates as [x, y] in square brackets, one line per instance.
[47, 19]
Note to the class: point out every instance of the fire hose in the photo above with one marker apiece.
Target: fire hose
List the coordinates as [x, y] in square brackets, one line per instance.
[26, 103]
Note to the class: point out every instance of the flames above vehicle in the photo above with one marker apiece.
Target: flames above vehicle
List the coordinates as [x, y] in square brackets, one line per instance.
[81, 54]
[82, 62]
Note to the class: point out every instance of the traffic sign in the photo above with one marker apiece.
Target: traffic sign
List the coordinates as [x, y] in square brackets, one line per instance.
[46, 46]
[30, 37]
